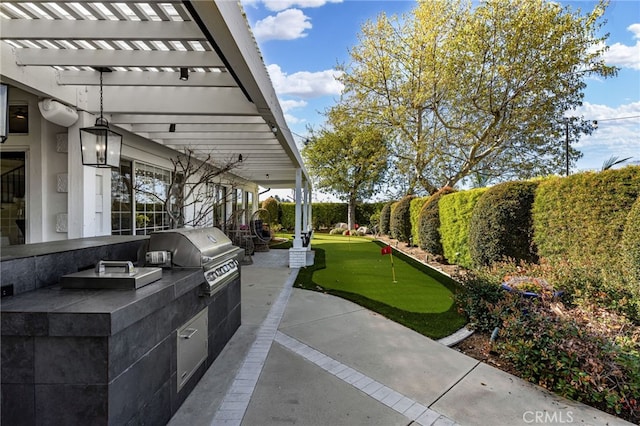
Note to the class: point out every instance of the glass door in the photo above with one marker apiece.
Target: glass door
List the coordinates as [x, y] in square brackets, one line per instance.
[12, 198]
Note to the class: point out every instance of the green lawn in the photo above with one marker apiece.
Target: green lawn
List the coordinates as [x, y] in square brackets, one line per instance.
[353, 268]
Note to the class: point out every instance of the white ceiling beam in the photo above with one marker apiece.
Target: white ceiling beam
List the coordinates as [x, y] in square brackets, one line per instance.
[146, 78]
[252, 149]
[183, 100]
[116, 58]
[185, 119]
[60, 29]
[232, 142]
[151, 128]
[214, 136]
[40, 81]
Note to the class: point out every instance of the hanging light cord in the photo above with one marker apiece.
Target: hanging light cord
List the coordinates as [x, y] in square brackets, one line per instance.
[101, 95]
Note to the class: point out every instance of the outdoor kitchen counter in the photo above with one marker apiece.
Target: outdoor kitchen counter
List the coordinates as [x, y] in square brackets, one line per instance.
[54, 311]
[101, 356]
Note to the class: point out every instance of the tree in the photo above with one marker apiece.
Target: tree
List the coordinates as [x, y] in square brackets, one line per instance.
[347, 161]
[475, 91]
[190, 198]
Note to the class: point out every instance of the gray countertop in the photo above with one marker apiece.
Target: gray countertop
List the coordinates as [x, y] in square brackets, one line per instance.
[54, 311]
[39, 249]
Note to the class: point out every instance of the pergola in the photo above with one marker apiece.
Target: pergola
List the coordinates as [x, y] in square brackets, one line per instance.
[183, 74]
[180, 73]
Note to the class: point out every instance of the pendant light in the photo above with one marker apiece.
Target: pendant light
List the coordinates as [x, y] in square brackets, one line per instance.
[100, 145]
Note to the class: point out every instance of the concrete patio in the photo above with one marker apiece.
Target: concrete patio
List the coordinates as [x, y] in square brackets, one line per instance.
[308, 358]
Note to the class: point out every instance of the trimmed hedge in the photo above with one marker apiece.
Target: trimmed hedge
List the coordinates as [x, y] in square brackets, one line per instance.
[501, 225]
[385, 218]
[455, 220]
[325, 215]
[288, 215]
[429, 223]
[400, 222]
[368, 214]
[414, 212]
[631, 242]
[581, 218]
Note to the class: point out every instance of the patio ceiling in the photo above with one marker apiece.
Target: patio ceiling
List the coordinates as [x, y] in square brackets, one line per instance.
[227, 107]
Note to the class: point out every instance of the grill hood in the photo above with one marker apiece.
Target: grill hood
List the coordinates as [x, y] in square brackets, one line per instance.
[192, 247]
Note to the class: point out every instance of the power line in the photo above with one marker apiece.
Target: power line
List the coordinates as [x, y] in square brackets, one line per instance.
[618, 118]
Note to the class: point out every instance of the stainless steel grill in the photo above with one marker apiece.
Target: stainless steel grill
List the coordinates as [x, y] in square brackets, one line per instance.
[206, 248]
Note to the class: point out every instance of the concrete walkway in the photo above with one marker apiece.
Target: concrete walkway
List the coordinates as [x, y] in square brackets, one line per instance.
[308, 358]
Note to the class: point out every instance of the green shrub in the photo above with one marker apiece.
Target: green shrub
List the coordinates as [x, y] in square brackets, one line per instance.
[581, 218]
[385, 218]
[273, 207]
[569, 359]
[414, 212]
[455, 219]
[400, 221]
[429, 223]
[501, 224]
[480, 296]
[631, 242]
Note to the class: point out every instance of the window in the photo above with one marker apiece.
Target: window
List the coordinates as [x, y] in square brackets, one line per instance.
[151, 190]
[220, 208]
[121, 195]
[139, 208]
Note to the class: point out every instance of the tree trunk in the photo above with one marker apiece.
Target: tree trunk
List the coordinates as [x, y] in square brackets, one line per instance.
[351, 212]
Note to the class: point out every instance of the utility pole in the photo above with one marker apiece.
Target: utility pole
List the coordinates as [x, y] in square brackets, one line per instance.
[566, 144]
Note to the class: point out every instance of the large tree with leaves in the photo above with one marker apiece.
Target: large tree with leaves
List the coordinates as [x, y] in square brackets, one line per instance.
[476, 91]
[347, 160]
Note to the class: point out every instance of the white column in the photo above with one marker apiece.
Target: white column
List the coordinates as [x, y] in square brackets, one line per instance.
[103, 202]
[298, 253]
[297, 241]
[82, 185]
[305, 208]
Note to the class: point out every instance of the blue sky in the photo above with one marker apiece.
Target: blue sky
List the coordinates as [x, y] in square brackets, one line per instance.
[303, 40]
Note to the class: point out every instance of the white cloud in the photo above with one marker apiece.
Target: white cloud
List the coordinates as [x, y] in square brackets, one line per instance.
[287, 25]
[305, 84]
[276, 5]
[616, 135]
[289, 104]
[625, 56]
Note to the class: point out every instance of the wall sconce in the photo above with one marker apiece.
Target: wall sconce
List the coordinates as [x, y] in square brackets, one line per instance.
[172, 128]
[100, 145]
[240, 158]
[4, 112]
[274, 128]
[184, 74]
